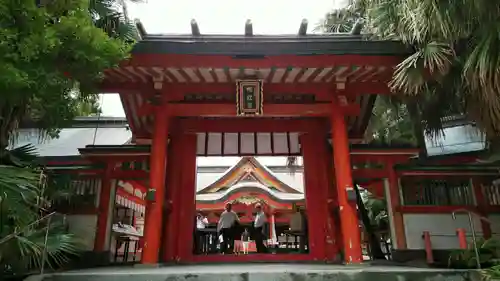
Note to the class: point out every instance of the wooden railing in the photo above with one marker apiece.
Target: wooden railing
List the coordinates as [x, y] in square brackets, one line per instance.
[83, 194]
[432, 192]
[491, 194]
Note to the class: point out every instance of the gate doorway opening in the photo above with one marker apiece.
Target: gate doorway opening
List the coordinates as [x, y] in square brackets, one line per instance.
[266, 197]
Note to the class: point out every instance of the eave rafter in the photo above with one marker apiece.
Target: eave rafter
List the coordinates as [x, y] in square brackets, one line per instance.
[304, 75]
[177, 91]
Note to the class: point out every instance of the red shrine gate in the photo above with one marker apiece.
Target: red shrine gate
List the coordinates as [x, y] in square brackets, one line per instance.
[177, 90]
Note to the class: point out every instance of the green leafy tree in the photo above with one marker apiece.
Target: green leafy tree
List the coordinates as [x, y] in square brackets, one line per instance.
[52, 58]
[28, 230]
[390, 124]
[455, 63]
[454, 66]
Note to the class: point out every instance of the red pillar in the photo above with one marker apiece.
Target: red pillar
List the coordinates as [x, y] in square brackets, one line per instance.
[462, 238]
[187, 207]
[333, 204]
[482, 205]
[428, 247]
[343, 175]
[315, 199]
[272, 225]
[395, 203]
[154, 209]
[173, 186]
[103, 211]
[328, 196]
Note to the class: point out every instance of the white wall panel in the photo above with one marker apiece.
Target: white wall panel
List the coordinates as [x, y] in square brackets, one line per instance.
[200, 143]
[247, 143]
[294, 143]
[214, 144]
[280, 143]
[231, 143]
[264, 143]
[442, 229]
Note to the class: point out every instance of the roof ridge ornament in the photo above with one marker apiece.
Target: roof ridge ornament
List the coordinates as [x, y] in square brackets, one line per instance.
[248, 28]
[140, 28]
[303, 28]
[195, 29]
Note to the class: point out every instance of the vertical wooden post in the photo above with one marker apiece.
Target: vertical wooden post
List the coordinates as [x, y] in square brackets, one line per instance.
[482, 205]
[154, 208]
[171, 209]
[316, 200]
[104, 210]
[462, 238]
[394, 202]
[333, 203]
[428, 247]
[343, 175]
[187, 211]
[325, 181]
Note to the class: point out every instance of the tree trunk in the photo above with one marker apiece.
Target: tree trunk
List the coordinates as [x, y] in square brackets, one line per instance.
[418, 129]
[373, 239]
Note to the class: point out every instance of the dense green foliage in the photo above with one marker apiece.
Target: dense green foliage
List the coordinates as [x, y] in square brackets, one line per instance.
[52, 58]
[111, 16]
[390, 124]
[26, 217]
[455, 64]
[489, 258]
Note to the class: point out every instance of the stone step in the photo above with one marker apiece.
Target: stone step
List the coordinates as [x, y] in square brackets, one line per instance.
[263, 272]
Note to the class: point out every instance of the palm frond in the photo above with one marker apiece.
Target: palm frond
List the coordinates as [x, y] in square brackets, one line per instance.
[110, 16]
[22, 156]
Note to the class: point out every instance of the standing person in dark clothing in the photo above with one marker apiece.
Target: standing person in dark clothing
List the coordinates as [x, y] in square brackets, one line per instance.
[258, 225]
[227, 221]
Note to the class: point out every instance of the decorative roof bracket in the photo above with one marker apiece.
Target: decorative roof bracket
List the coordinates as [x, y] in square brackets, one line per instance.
[158, 82]
[195, 29]
[248, 28]
[303, 28]
[341, 83]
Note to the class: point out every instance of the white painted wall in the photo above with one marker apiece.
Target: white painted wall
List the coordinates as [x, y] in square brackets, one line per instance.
[441, 227]
[85, 227]
[495, 225]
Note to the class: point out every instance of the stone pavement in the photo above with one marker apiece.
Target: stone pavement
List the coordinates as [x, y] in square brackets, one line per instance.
[263, 272]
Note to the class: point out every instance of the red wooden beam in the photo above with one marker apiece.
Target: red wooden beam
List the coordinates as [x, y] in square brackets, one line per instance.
[369, 173]
[176, 91]
[129, 174]
[434, 209]
[220, 61]
[393, 155]
[82, 172]
[229, 110]
[246, 220]
[120, 191]
[111, 156]
[444, 174]
[235, 125]
[251, 258]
